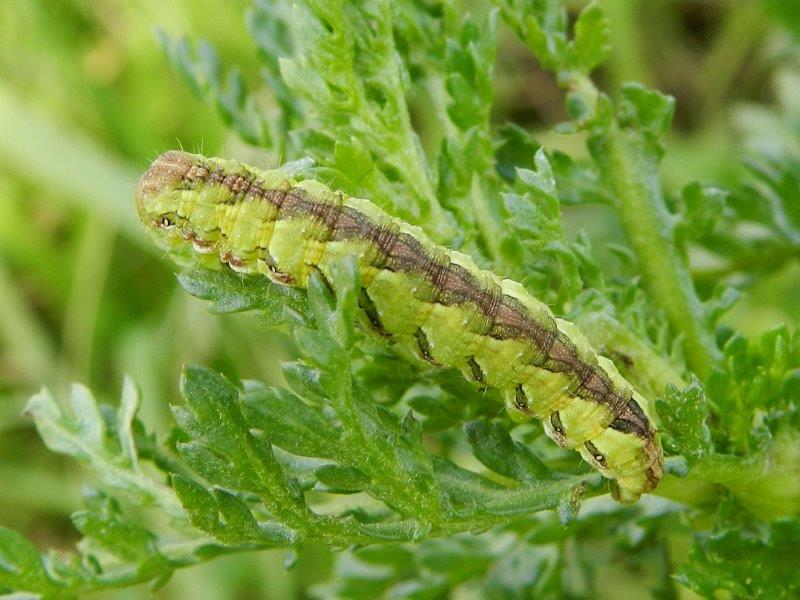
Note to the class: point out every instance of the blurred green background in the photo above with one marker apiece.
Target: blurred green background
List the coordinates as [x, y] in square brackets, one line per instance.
[87, 99]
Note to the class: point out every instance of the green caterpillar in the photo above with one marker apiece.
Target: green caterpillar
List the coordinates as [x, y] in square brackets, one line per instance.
[431, 299]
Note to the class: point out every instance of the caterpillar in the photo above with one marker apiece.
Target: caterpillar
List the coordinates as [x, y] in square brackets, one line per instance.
[433, 300]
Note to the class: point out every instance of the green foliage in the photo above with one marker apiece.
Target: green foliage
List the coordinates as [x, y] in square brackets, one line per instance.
[103, 440]
[117, 549]
[747, 564]
[764, 202]
[535, 216]
[243, 459]
[544, 28]
[202, 71]
[416, 472]
[533, 558]
[228, 293]
[684, 414]
[752, 393]
[787, 12]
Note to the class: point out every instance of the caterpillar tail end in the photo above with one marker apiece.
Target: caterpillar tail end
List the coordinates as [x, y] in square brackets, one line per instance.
[630, 487]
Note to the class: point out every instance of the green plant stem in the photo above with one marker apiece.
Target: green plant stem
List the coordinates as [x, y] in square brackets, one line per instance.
[630, 167]
[689, 491]
[185, 553]
[767, 484]
[324, 530]
[628, 160]
[647, 368]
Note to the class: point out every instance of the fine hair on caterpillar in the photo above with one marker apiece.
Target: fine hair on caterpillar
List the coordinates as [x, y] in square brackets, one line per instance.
[431, 299]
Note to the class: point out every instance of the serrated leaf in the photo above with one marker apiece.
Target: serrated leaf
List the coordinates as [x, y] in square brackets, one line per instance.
[645, 109]
[543, 27]
[492, 445]
[214, 402]
[752, 380]
[199, 504]
[289, 422]
[21, 567]
[216, 469]
[541, 180]
[746, 565]
[319, 347]
[226, 452]
[304, 381]
[341, 479]
[87, 439]
[721, 301]
[684, 413]
[239, 521]
[469, 62]
[128, 407]
[353, 159]
[703, 206]
[333, 304]
[88, 420]
[350, 76]
[346, 281]
[592, 39]
[229, 292]
[124, 538]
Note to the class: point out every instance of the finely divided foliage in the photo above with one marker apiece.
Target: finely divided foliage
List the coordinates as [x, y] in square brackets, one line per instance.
[422, 457]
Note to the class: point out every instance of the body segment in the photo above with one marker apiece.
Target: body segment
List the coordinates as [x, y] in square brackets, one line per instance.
[431, 299]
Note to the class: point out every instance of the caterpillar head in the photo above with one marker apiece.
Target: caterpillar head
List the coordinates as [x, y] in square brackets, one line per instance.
[161, 198]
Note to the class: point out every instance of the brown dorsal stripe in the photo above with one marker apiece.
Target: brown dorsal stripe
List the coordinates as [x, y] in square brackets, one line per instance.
[400, 251]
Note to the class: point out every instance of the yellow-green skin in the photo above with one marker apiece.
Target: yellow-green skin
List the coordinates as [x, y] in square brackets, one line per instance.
[432, 300]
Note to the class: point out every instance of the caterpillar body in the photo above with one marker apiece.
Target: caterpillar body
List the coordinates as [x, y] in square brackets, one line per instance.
[431, 299]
